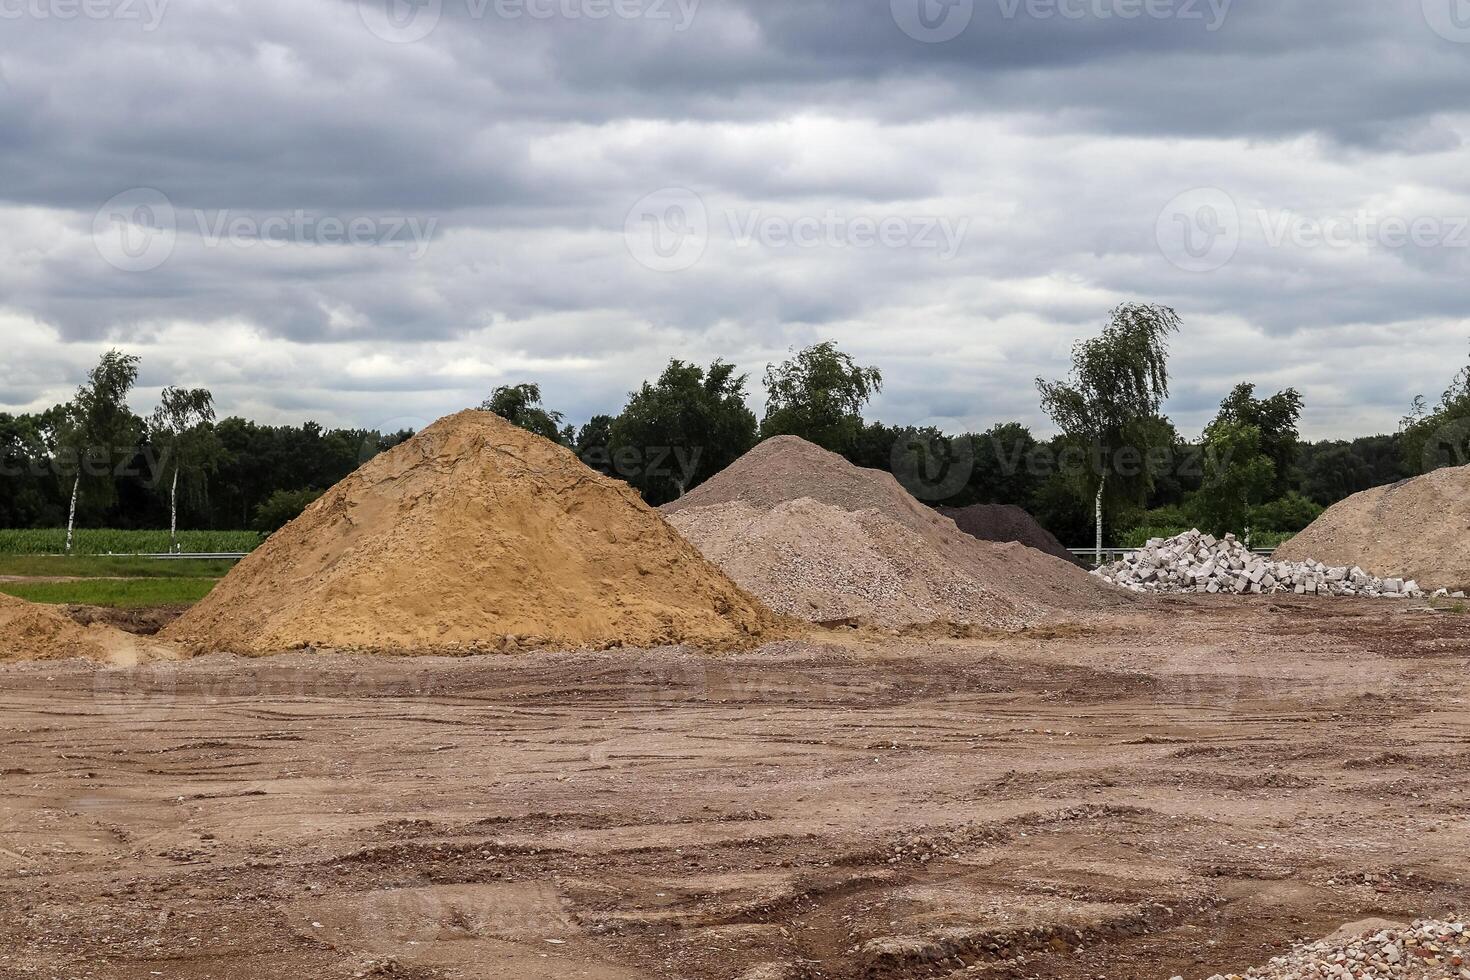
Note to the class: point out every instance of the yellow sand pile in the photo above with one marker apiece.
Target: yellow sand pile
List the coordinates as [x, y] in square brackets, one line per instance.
[1418, 529]
[474, 536]
[34, 632]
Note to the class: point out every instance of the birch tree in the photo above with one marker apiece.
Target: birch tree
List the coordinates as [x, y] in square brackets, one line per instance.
[182, 432]
[1118, 382]
[97, 429]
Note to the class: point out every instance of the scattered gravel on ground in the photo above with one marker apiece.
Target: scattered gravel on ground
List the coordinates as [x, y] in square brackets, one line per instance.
[1430, 949]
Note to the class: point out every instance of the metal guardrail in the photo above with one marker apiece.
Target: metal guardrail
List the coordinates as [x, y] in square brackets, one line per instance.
[1118, 554]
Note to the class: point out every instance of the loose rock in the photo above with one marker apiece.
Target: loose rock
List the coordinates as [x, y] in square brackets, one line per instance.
[1197, 562]
[1429, 949]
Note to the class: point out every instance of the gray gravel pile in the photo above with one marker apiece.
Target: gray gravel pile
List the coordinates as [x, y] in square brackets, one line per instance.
[821, 563]
[1429, 949]
[810, 534]
[1196, 562]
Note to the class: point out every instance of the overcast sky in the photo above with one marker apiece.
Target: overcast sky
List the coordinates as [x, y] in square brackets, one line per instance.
[372, 213]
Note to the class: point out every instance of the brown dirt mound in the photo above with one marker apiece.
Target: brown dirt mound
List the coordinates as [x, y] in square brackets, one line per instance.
[474, 536]
[143, 621]
[29, 631]
[1006, 522]
[988, 583]
[1418, 529]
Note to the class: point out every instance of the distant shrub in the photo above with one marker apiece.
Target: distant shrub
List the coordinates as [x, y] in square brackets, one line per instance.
[1290, 513]
[283, 507]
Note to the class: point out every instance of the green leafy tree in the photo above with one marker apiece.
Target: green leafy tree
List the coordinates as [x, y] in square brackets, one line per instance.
[1276, 419]
[679, 431]
[520, 405]
[1439, 437]
[1290, 513]
[1238, 475]
[182, 429]
[1058, 507]
[25, 497]
[283, 507]
[1005, 465]
[818, 394]
[98, 429]
[1250, 449]
[1332, 471]
[592, 441]
[1109, 408]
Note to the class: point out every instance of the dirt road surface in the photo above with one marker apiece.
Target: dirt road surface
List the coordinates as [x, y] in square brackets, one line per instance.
[1178, 792]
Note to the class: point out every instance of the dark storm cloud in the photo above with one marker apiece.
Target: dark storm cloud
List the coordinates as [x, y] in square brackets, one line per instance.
[1055, 131]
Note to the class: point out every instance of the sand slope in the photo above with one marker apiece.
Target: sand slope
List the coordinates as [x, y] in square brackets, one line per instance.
[1418, 529]
[905, 562]
[30, 631]
[469, 533]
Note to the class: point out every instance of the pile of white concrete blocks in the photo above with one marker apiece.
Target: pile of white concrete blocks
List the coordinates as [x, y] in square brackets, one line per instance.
[1196, 562]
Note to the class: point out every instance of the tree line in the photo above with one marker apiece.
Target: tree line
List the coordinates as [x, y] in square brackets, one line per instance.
[1118, 466]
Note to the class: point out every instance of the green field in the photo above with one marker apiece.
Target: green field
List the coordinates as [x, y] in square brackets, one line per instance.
[125, 582]
[121, 593]
[94, 541]
[93, 566]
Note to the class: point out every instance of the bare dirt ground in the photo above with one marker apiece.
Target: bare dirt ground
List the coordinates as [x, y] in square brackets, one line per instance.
[1177, 792]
